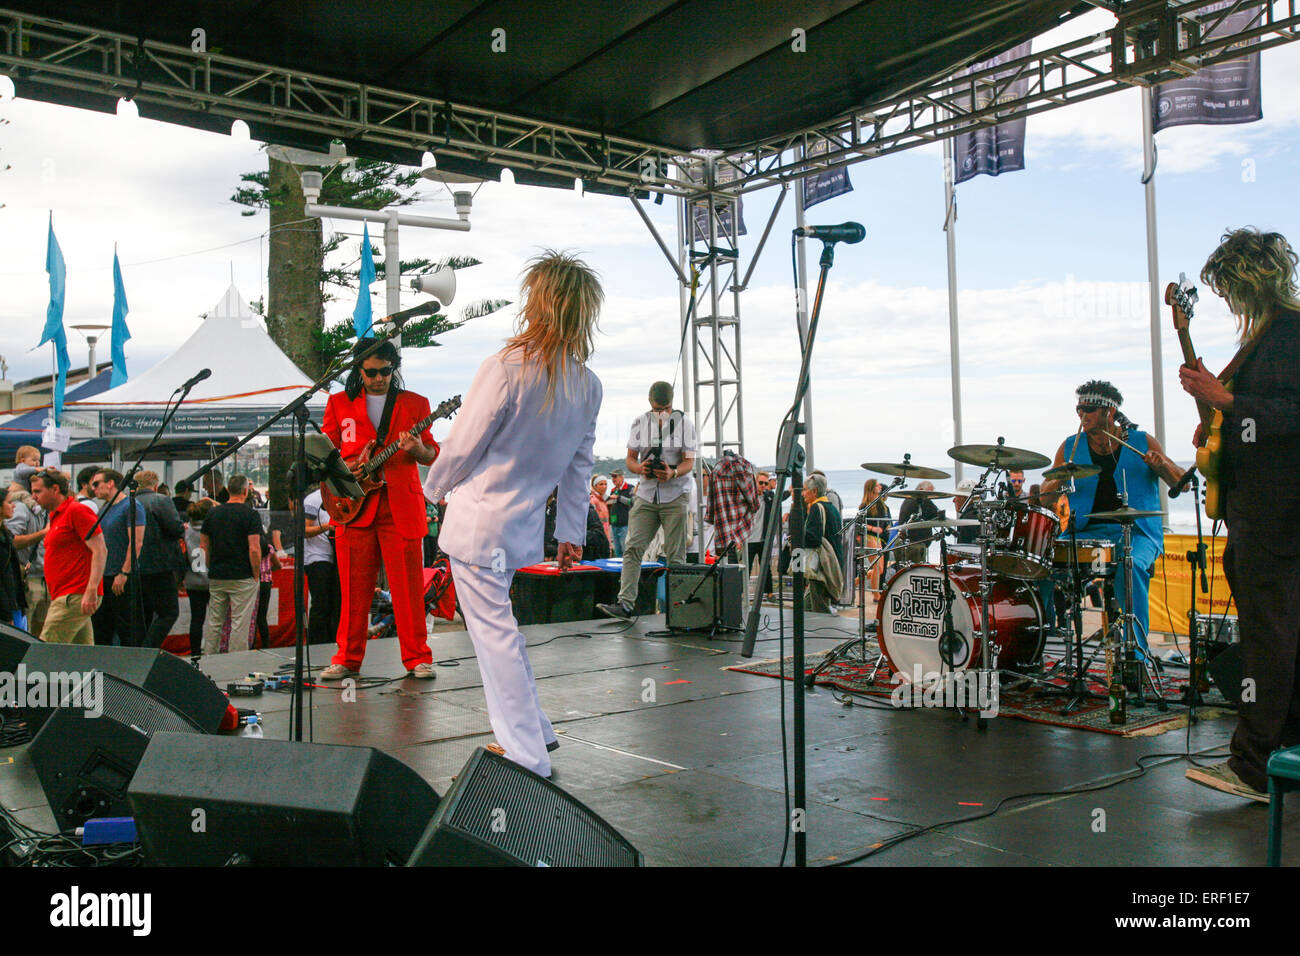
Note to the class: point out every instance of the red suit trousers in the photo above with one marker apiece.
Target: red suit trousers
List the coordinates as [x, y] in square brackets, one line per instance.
[359, 554]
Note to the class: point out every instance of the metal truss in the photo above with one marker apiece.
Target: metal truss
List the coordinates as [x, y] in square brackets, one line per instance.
[115, 65]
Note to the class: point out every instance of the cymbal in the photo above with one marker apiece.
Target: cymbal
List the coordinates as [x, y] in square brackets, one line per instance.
[939, 523]
[1124, 515]
[919, 494]
[1002, 456]
[1070, 470]
[906, 469]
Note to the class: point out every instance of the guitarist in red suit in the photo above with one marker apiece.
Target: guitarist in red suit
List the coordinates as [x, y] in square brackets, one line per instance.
[392, 522]
[1256, 273]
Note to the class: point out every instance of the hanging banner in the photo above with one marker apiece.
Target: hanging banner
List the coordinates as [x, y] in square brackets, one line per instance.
[700, 214]
[1217, 95]
[193, 423]
[997, 149]
[1170, 589]
[822, 186]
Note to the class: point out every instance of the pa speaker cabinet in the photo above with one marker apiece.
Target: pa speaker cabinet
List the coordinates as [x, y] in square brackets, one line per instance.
[276, 803]
[88, 750]
[499, 814]
[14, 646]
[163, 674]
[705, 597]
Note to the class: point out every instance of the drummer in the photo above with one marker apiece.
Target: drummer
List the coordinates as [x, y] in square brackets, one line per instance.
[1107, 432]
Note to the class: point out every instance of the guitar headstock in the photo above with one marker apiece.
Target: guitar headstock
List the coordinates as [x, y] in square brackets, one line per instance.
[448, 408]
[1182, 296]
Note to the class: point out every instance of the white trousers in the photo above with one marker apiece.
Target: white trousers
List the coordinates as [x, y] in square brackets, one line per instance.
[512, 702]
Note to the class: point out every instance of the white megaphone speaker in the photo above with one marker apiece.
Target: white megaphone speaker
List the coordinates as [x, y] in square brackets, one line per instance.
[441, 284]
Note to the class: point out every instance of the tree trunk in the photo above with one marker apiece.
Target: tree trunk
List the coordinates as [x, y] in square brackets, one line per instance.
[294, 310]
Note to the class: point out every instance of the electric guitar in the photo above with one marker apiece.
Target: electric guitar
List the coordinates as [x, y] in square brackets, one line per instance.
[1181, 297]
[368, 468]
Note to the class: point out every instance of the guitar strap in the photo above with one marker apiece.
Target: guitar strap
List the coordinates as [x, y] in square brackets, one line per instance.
[1238, 360]
[386, 417]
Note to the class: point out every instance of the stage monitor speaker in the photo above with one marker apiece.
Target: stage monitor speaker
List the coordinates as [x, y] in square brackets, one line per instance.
[705, 597]
[14, 645]
[89, 748]
[1226, 670]
[275, 803]
[176, 682]
[499, 814]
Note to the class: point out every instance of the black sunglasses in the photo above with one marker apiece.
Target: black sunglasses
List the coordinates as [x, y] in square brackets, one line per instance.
[372, 372]
[1088, 409]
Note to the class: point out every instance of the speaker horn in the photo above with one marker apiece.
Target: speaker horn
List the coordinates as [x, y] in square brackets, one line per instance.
[441, 284]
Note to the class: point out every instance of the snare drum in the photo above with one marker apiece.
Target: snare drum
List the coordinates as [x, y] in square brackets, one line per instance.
[1024, 538]
[910, 621]
[1096, 556]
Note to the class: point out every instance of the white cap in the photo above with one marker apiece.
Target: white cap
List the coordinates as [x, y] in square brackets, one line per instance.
[966, 486]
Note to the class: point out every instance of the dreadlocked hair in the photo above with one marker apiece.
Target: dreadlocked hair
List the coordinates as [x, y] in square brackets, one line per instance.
[557, 321]
[1256, 273]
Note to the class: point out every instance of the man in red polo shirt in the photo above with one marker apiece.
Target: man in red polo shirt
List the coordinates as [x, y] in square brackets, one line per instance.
[74, 567]
[392, 523]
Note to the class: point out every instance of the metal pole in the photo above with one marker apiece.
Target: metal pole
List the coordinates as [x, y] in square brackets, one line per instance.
[954, 343]
[392, 270]
[802, 316]
[1153, 266]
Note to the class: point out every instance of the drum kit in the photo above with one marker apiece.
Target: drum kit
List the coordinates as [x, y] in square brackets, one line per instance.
[979, 608]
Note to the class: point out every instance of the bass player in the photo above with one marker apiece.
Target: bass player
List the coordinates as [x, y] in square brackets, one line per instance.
[372, 407]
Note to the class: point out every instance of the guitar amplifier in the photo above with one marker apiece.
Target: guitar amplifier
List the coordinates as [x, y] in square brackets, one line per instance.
[705, 597]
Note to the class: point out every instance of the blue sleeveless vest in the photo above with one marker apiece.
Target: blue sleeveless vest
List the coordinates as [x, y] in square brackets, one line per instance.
[1143, 486]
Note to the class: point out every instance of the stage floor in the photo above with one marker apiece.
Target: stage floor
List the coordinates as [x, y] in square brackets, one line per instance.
[693, 776]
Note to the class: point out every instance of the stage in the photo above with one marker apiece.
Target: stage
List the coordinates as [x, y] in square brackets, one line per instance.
[684, 758]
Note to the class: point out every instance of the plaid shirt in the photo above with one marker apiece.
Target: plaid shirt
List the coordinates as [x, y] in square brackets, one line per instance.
[732, 503]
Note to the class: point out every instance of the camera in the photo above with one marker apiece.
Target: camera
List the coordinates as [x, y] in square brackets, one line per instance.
[655, 461]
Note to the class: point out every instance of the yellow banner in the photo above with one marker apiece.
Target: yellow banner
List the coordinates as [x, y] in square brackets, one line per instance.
[1170, 590]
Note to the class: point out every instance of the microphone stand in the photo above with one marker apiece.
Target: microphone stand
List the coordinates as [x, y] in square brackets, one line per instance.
[1196, 561]
[302, 414]
[128, 482]
[789, 462]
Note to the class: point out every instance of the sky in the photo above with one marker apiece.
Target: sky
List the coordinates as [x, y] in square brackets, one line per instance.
[1051, 268]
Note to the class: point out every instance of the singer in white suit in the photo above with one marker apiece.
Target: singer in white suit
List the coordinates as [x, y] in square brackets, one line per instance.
[528, 424]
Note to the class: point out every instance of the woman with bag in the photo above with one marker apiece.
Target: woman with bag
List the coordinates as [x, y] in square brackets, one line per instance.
[822, 560]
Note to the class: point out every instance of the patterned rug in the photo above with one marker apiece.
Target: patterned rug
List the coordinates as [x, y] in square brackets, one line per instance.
[1015, 698]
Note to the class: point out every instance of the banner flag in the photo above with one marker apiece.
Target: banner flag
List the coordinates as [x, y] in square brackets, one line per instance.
[362, 318]
[993, 149]
[1217, 95]
[120, 332]
[54, 332]
[825, 185]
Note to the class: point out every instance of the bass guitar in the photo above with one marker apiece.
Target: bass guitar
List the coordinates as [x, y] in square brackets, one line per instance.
[1181, 296]
[368, 468]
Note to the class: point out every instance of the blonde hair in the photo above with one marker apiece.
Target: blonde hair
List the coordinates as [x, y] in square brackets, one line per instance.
[24, 451]
[1255, 272]
[561, 302]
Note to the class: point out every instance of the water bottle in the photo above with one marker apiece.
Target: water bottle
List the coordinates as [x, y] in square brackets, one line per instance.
[252, 726]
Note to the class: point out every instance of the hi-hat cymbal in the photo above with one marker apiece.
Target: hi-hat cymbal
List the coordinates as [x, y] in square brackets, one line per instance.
[939, 523]
[906, 469]
[1000, 456]
[919, 494]
[1070, 470]
[1124, 515]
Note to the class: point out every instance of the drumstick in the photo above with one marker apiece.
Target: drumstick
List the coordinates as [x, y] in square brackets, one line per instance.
[1124, 443]
[1075, 448]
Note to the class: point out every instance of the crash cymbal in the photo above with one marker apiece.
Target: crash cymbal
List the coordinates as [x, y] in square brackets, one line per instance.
[919, 494]
[1001, 456]
[906, 469]
[1070, 470]
[939, 523]
[1124, 515]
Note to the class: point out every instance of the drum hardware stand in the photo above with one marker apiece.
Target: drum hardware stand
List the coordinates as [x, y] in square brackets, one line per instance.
[1196, 561]
[1127, 623]
[842, 649]
[948, 640]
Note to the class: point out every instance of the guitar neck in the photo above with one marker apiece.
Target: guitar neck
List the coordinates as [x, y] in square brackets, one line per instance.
[1189, 356]
[377, 461]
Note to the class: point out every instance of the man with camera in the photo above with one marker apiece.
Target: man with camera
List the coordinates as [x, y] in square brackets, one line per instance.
[661, 449]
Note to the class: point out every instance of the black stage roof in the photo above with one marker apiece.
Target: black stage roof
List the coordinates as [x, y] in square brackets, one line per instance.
[679, 75]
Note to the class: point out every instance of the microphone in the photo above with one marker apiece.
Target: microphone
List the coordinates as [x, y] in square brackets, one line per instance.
[1178, 488]
[844, 232]
[206, 373]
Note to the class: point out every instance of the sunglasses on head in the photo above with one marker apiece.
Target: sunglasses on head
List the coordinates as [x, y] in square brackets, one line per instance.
[372, 372]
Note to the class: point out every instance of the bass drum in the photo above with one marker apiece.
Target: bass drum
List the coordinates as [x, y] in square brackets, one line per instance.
[909, 621]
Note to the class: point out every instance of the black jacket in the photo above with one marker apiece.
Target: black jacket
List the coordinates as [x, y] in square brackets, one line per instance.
[813, 530]
[1261, 441]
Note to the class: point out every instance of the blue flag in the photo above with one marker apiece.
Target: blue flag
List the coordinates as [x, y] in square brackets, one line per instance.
[120, 332]
[54, 317]
[362, 319]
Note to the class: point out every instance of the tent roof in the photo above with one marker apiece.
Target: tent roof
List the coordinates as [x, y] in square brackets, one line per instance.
[248, 368]
[679, 74]
[25, 429]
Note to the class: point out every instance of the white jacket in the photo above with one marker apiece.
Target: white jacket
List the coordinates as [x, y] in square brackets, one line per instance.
[503, 457]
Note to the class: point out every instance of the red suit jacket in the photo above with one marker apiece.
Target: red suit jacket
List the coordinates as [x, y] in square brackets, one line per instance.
[348, 426]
